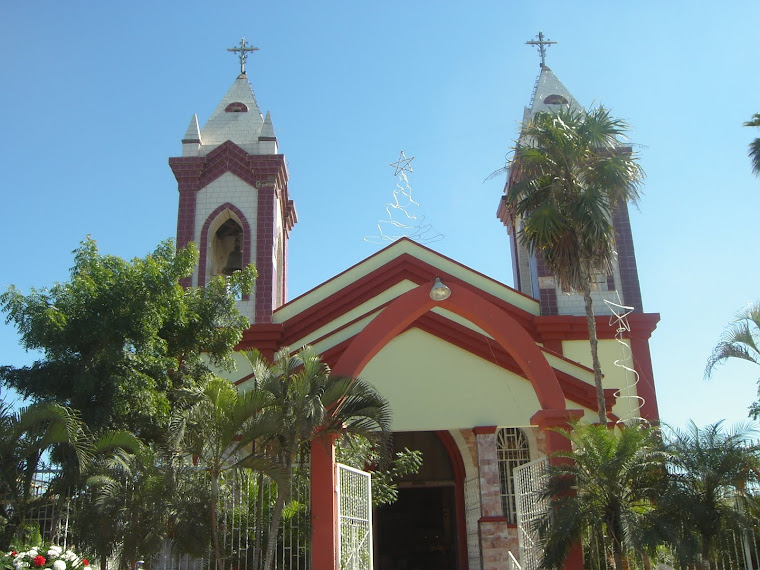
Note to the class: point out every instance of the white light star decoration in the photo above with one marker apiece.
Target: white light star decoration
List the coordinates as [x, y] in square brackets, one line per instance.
[403, 220]
[619, 319]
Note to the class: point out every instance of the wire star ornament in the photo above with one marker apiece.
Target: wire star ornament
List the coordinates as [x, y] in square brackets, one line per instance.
[403, 164]
[403, 221]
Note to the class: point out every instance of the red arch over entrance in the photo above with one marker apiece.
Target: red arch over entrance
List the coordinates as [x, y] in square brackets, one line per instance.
[505, 330]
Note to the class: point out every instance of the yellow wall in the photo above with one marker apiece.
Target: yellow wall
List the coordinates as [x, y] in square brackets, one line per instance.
[433, 385]
[614, 376]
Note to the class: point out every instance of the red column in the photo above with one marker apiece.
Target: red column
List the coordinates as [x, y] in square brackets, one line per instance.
[546, 420]
[324, 504]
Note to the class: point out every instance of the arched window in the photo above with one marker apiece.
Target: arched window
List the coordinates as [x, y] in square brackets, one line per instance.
[512, 451]
[226, 248]
[555, 100]
[236, 107]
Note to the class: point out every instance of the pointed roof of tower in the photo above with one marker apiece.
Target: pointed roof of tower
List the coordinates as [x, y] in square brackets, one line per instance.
[237, 118]
[549, 94]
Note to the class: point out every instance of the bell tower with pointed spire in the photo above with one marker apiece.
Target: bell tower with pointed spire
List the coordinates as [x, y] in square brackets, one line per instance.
[233, 196]
[531, 274]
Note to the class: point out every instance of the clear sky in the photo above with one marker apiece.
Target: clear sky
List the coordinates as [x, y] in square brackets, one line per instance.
[96, 96]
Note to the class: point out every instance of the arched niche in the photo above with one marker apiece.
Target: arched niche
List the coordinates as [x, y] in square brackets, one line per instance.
[225, 236]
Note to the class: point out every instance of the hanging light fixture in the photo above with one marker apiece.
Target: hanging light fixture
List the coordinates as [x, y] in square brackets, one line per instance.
[439, 291]
[235, 260]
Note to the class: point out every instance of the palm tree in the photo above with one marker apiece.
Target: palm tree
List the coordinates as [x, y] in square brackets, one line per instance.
[307, 401]
[754, 146]
[605, 487]
[573, 173]
[137, 497]
[25, 436]
[123, 511]
[217, 426]
[712, 474]
[741, 340]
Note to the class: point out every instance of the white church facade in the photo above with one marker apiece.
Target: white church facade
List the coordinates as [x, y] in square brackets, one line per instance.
[475, 376]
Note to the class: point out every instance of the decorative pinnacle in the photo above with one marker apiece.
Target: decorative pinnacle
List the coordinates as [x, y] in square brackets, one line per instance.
[541, 43]
[243, 53]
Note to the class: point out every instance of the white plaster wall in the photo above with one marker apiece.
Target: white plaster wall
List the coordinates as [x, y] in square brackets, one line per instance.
[227, 188]
[415, 368]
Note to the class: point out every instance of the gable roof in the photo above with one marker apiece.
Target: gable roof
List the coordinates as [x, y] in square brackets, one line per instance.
[330, 316]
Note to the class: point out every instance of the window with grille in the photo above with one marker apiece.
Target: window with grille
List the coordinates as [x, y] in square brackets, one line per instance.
[512, 451]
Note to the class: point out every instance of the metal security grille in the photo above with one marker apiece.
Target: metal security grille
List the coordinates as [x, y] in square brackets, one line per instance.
[512, 451]
[531, 506]
[355, 519]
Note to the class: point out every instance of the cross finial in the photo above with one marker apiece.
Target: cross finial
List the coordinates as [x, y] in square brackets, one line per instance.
[541, 43]
[244, 48]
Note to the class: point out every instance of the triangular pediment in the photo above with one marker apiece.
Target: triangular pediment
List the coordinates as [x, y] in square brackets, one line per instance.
[330, 316]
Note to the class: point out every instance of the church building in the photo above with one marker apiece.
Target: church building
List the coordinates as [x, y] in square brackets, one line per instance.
[475, 371]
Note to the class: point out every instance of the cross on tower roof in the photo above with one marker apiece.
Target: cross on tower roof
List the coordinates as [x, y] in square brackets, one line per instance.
[541, 43]
[243, 49]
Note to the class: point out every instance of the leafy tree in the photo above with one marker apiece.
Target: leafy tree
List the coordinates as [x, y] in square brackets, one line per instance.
[119, 336]
[754, 146]
[137, 497]
[362, 453]
[307, 401]
[217, 428]
[25, 436]
[740, 340]
[605, 488]
[712, 474]
[573, 173]
[122, 513]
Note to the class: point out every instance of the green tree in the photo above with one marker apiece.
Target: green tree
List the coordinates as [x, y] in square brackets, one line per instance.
[740, 340]
[119, 336]
[362, 453]
[754, 146]
[573, 173]
[136, 498]
[712, 474]
[218, 427]
[308, 401]
[25, 436]
[605, 488]
[122, 513]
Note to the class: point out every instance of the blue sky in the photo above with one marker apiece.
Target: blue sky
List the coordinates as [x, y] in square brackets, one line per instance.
[97, 95]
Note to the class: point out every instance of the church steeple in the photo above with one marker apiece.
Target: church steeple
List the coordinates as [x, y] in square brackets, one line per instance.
[531, 275]
[233, 187]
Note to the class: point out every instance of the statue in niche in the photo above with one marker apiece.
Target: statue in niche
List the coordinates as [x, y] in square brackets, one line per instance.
[226, 253]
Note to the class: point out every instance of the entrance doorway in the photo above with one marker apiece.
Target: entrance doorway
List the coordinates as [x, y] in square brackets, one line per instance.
[419, 530]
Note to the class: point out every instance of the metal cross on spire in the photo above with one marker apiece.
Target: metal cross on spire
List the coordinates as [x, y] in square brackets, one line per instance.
[541, 43]
[243, 49]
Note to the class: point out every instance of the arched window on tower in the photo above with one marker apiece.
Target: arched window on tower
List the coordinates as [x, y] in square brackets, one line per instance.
[555, 100]
[512, 451]
[226, 248]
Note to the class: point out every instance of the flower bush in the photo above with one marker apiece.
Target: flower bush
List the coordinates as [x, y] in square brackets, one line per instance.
[38, 558]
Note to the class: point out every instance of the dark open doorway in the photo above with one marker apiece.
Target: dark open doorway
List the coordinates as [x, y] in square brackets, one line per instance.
[419, 531]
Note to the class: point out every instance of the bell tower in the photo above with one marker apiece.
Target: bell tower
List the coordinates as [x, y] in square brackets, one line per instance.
[531, 274]
[233, 196]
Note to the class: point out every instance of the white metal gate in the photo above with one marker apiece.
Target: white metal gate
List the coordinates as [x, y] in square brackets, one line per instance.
[531, 506]
[354, 519]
